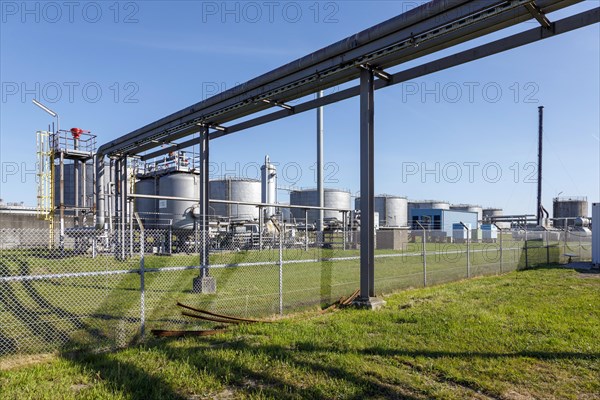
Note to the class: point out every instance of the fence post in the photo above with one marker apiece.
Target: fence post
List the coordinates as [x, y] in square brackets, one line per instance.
[579, 237]
[526, 251]
[281, 236]
[142, 278]
[424, 258]
[344, 221]
[546, 233]
[468, 254]
[306, 230]
[565, 245]
[424, 253]
[501, 250]
[468, 243]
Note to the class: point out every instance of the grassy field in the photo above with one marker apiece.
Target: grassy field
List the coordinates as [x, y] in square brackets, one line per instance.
[524, 335]
[99, 311]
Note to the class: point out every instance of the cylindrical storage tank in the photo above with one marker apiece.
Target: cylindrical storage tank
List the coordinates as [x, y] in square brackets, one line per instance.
[268, 186]
[147, 208]
[570, 208]
[69, 185]
[178, 212]
[489, 213]
[470, 208]
[438, 205]
[333, 198]
[235, 189]
[393, 210]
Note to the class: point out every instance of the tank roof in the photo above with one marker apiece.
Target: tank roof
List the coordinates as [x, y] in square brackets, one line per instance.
[569, 199]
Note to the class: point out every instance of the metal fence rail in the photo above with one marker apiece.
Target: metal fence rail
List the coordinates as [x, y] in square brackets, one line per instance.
[80, 292]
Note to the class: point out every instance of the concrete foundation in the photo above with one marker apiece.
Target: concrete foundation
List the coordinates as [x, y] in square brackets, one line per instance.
[206, 285]
[372, 303]
[392, 239]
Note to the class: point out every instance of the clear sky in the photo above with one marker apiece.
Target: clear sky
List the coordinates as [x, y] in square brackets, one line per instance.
[465, 135]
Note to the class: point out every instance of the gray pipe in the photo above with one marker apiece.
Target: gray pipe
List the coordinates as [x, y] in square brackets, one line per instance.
[100, 220]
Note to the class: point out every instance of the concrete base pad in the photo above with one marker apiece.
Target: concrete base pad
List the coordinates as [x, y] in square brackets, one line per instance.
[206, 285]
[372, 303]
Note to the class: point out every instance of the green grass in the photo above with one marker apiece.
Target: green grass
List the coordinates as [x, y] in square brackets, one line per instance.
[527, 334]
[71, 313]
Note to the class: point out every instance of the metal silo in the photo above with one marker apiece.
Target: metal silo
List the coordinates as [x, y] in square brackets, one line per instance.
[179, 213]
[392, 210]
[569, 208]
[268, 186]
[147, 208]
[333, 198]
[235, 189]
[470, 208]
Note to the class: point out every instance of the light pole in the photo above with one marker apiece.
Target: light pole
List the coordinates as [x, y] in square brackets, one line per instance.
[49, 111]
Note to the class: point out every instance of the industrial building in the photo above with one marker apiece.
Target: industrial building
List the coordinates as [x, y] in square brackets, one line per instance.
[469, 207]
[443, 221]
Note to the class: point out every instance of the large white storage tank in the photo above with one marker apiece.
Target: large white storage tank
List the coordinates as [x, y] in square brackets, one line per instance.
[392, 210]
[333, 198]
[235, 189]
[176, 213]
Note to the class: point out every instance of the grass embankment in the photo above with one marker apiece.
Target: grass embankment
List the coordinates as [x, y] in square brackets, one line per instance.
[529, 334]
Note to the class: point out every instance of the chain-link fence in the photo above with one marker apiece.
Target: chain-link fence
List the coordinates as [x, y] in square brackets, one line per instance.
[96, 289]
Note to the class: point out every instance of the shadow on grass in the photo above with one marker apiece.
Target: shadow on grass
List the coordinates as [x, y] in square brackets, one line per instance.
[132, 381]
[283, 383]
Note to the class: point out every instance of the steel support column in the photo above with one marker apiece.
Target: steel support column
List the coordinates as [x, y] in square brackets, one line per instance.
[320, 190]
[204, 204]
[367, 229]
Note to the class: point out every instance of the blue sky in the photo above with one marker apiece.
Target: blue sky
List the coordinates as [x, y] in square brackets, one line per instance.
[466, 135]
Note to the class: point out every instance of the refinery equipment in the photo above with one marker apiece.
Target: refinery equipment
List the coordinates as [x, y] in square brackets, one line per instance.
[333, 198]
[488, 214]
[172, 176]
[235, 190]
[393, 210]
[268, 186]
[66, 176]
[566, 209]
